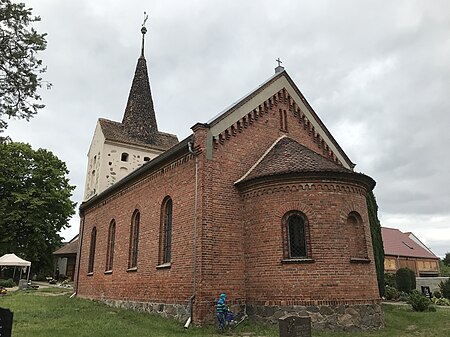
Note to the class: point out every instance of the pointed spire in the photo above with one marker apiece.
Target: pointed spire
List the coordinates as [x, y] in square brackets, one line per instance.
[139, 117]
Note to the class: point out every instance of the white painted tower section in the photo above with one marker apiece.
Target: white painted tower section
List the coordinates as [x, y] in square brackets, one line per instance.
[109, 162]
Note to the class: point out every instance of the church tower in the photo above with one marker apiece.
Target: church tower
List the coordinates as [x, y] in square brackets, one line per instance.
[117, 149]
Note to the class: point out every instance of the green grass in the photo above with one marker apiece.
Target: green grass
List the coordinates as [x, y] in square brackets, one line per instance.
[50, 313]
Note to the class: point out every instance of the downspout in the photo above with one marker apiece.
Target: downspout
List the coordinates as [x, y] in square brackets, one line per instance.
[80, 240]
[191, 300]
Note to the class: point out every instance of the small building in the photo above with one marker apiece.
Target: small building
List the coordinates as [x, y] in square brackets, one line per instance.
[406, 250]
[65, 259]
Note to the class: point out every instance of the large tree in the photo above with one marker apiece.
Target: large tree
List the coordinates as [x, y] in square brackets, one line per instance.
[446, 259]
[20, 69]
[377, 240]
[34, 203]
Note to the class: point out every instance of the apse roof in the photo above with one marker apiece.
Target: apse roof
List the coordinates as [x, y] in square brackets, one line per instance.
[287, 156]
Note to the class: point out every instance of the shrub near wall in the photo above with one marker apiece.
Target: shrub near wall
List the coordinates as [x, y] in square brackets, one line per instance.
[445, 288]
[405, 279]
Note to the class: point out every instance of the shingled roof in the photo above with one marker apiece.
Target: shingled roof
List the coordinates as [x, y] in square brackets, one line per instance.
[68, 249]
[117, 132]
[139, 125]
[286, 156]
[397, 243]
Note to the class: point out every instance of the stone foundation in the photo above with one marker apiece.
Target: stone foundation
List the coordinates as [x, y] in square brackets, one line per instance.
[325, 317]
[180, 312]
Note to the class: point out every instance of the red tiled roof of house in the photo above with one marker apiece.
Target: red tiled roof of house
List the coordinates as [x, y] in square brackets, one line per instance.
[397, 243]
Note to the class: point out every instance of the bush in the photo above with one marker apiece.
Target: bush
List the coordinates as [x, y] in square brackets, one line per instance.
[418, 301]
[445, 288]
[441, 301]
[391, 293]
[437, 294]
[389, 280]
[406, 280]
[7, 283]
[402, 296]
[412, 275]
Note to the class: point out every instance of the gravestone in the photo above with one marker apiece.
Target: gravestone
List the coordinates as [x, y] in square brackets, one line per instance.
[6, 319]
[426, 291]
[295, 326]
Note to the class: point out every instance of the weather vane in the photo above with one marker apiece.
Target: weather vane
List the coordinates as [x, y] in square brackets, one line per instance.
[145, 19]
[143, 31]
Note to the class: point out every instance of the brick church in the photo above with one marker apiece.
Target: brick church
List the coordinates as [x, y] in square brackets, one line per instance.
[260, 202]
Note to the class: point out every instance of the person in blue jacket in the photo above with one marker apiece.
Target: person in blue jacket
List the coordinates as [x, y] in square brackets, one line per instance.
[221, 311]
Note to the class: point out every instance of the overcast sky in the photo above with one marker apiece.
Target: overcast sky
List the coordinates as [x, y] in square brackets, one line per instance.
[376, 72]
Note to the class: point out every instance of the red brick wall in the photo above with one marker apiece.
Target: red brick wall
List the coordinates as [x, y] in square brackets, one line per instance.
[240, 243]
[173, 285]
[241, 254]
[331, 276]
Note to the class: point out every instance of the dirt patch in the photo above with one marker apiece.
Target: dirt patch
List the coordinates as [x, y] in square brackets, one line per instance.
[411, 327]
[51, 294]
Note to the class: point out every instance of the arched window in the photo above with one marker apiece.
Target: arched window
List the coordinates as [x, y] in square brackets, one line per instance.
[166, 231]
[296, 236]
[134, 240]
[92, 250]
[110, 247]
[356, 236]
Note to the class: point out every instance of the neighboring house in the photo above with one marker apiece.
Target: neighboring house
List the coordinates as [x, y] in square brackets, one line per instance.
[260, 202]
[65, 259]
[406, 250]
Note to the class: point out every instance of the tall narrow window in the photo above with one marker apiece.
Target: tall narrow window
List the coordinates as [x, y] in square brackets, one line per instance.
[110, 248]
[297, 237]
[92, 250]
[134, 240]
[166, 228]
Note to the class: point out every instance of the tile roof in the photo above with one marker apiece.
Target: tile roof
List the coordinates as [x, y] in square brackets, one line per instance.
[139, 118]
[400, 244]
[288, 156]
[139, 125]
[70, 248]
[116, 131]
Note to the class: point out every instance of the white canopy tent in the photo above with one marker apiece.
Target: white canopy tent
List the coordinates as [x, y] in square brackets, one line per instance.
[12, 260]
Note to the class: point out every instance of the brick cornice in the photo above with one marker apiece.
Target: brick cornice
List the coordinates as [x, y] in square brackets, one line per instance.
[317, 181]
[282, 97]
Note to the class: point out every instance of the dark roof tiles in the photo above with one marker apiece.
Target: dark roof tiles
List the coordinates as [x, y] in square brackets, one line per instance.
[116, 131]
[68, 249]
[288, 156]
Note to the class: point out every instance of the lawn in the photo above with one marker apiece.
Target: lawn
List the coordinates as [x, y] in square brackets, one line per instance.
[51, 313]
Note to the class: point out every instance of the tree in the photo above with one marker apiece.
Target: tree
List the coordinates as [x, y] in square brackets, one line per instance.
[377, 240]
[446, 259]
[20, 69]
[34, 203]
